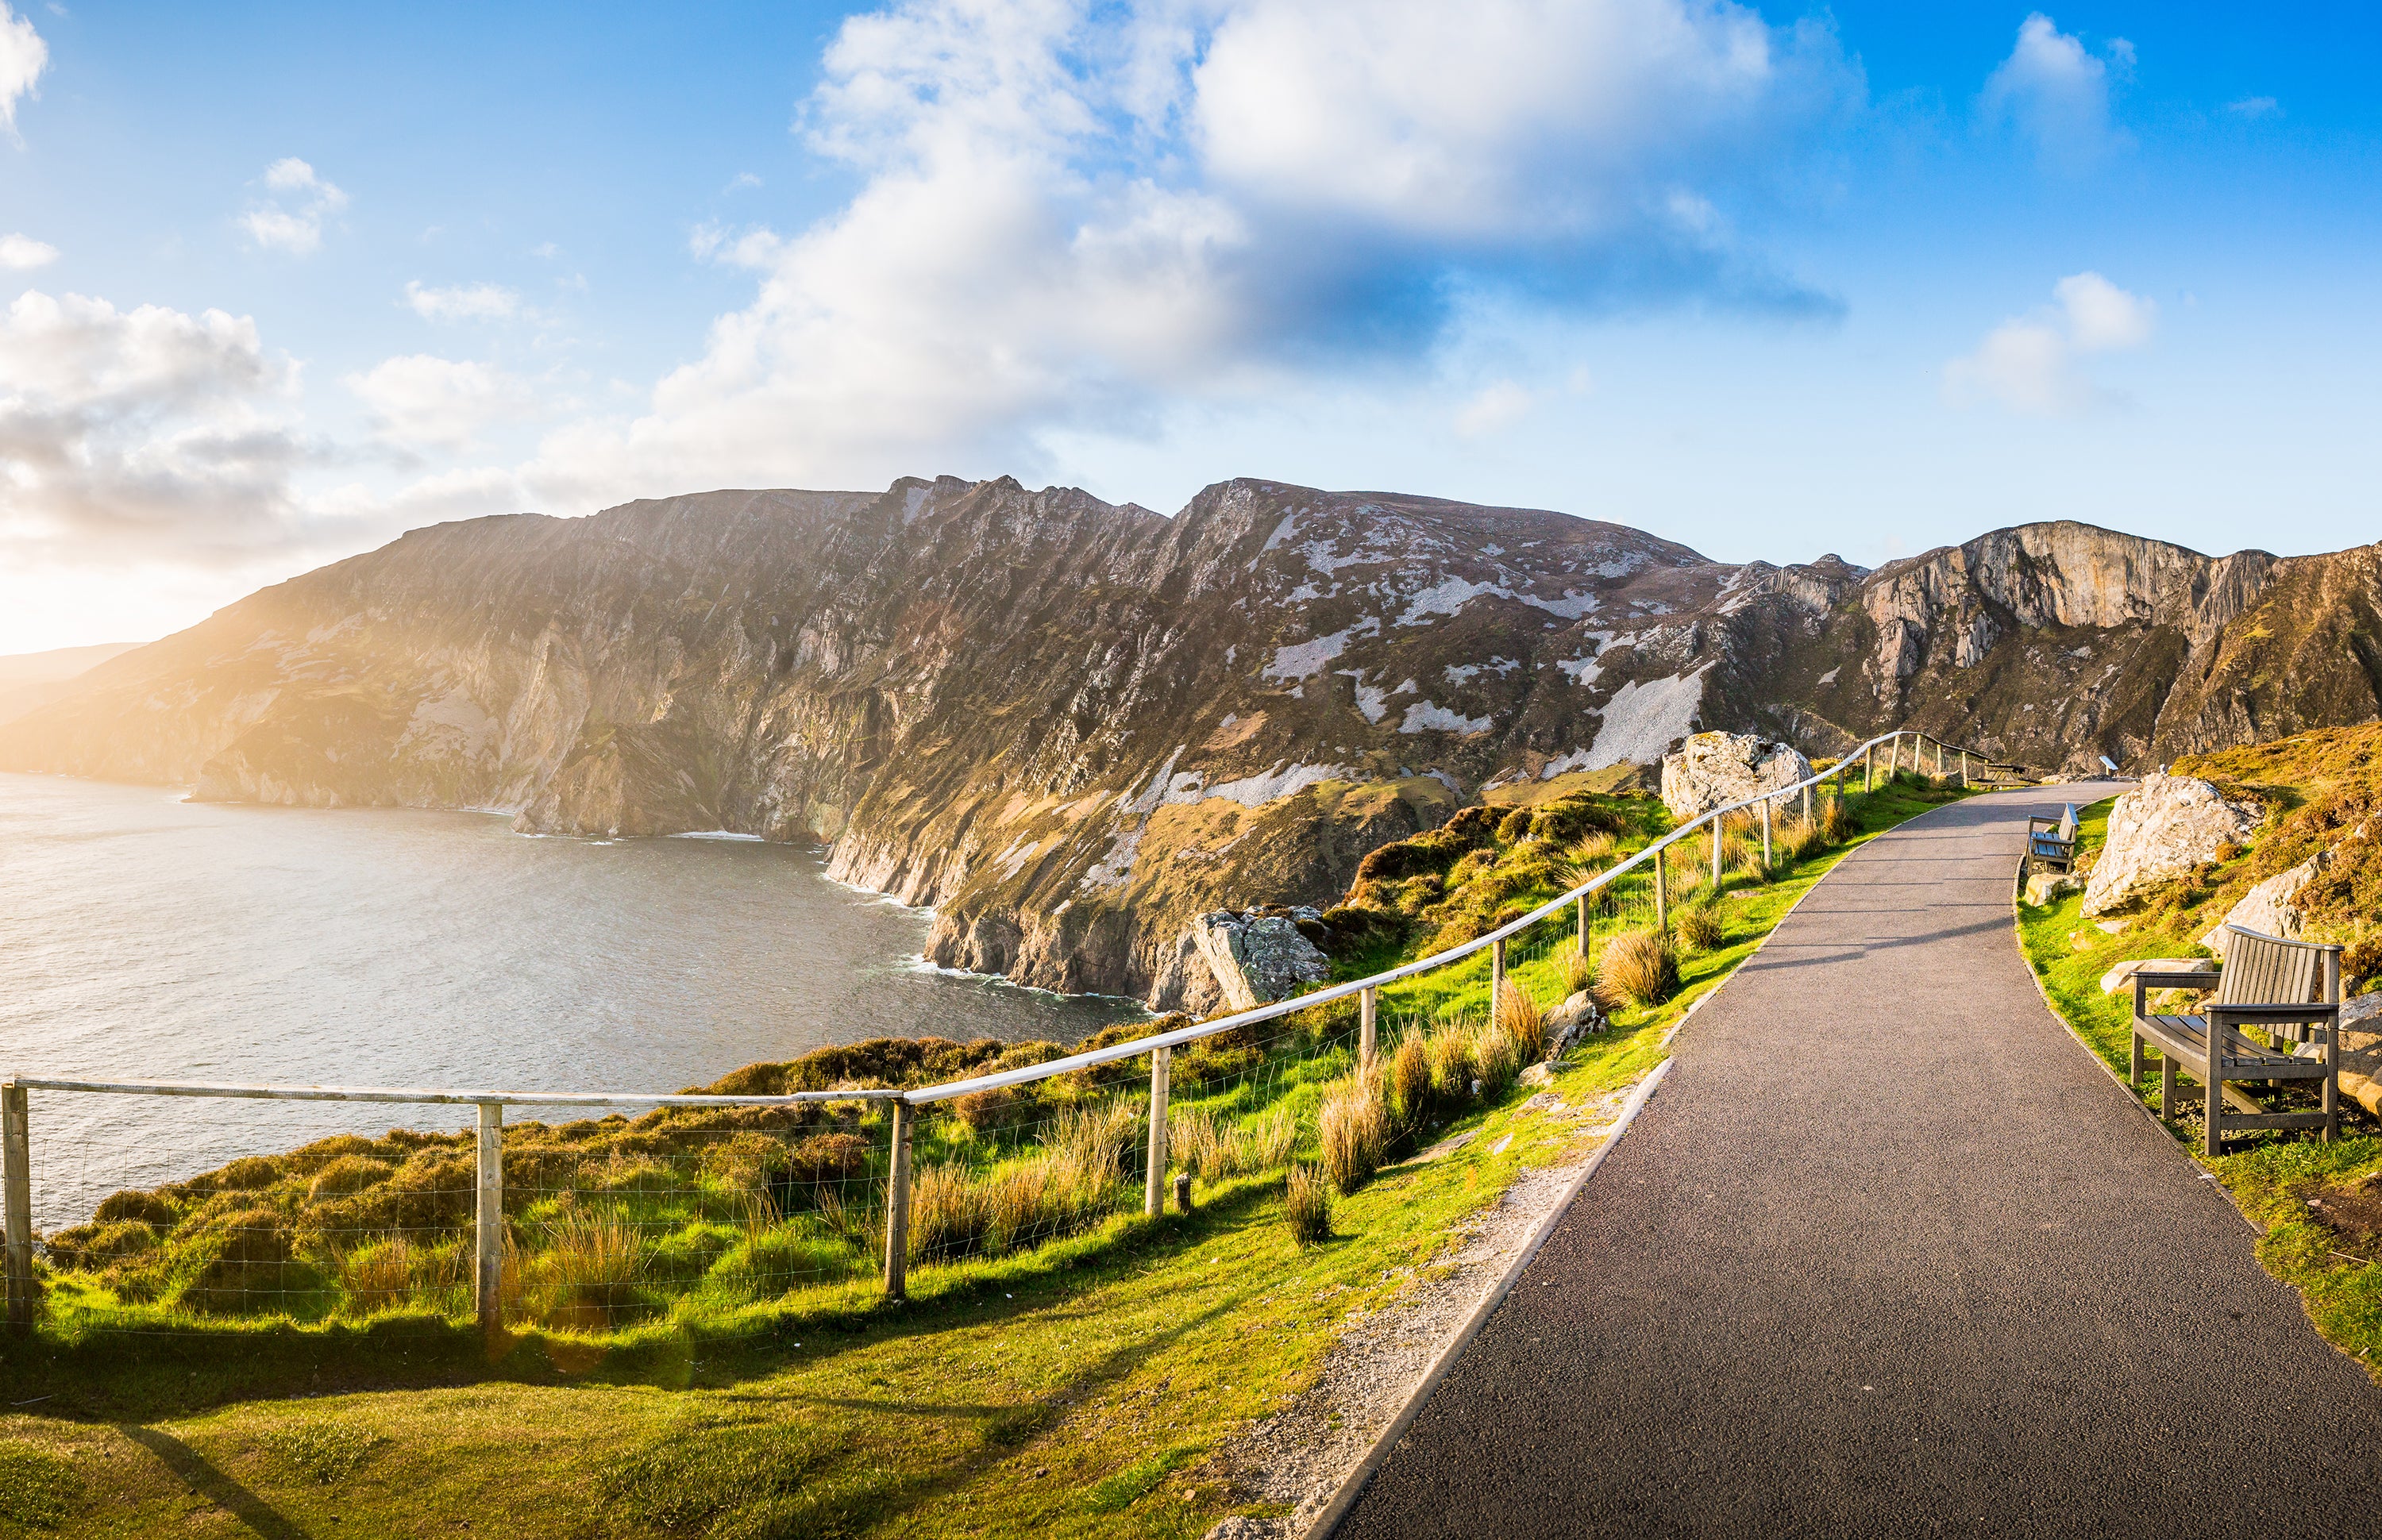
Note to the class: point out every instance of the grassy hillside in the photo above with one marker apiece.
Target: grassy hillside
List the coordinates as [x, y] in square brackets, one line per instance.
[695, 1342]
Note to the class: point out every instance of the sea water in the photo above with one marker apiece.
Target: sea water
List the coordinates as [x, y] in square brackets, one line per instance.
[144, 936]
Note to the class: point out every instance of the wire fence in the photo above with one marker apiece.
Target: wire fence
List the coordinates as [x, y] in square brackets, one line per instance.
[598, 1211]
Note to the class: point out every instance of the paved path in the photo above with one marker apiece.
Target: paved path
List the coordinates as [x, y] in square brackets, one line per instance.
[1889, 1254]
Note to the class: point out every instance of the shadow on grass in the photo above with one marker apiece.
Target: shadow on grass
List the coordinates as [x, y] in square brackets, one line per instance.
[201, 1476]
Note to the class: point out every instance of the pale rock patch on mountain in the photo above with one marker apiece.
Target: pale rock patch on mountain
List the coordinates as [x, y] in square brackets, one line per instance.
[2160, 830]
[1715, 769]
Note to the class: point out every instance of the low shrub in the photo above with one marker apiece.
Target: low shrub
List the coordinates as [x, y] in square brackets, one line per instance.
[146, 1208]
[346, 1175]
[1306, 1206]
[1699, 927]
[1642, 966]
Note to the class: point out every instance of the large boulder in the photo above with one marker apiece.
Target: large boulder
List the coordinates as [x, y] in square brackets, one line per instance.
[1714, 769]
[2160, 830]
[1258, 958]
[2269, 907]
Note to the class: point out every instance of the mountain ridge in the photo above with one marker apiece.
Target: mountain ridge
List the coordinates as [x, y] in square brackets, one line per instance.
[1072, 726]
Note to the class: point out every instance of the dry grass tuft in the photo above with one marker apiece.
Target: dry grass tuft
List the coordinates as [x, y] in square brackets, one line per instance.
[1307, 1207]
[1642, 966]
[1409, 1078]
[1519, 1017]
[1699, 926]
[1836, 823]
[1498, 1059]
[1578, 969]
[1450, 1048]
[1354, 1124]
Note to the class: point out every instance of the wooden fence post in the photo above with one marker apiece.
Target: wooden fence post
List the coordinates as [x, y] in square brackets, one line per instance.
[1368, 1007]
[1497, 974]
[490, 1231]
[1663, 889]
[1765, 834]
[20, 1205]
[1582, 907]
[1807, 802]
[897, 1206]
[1718, 819]
[1154, 1199]
[1869, 768]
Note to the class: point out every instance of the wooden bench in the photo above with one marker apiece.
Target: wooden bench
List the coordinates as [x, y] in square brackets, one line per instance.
[2286, 991]
[2051, 842]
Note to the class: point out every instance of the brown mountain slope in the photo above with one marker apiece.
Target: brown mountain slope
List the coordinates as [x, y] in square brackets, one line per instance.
[1072, 727]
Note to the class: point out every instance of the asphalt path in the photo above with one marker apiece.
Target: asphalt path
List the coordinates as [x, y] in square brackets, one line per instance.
[1890, 1255]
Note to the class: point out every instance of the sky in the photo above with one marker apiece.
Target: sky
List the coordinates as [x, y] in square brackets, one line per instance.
[281, 282]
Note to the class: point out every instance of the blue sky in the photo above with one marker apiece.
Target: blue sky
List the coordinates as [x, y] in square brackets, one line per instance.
[283, 281]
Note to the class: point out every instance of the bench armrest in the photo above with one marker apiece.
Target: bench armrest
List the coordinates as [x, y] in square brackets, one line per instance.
[2315, 1011]
[2177, 981]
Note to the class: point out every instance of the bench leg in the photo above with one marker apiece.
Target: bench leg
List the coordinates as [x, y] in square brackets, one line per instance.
[2135, 1069]
[2332, 1089]
[2166, 1084]
[2215, 1082]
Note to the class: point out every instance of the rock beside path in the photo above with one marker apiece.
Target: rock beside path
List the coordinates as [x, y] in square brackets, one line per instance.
[2160, 830]
[1714, 769]
[2270, 908]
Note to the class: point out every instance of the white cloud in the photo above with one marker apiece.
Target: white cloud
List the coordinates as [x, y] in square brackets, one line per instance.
[1498, 407]
[23, 57]
[428, 402]
[461, 302]
[2032, 363]
[146, 431]
[1071, 214]
[20, 253]
[292, 222]
[2057, 93]
[2254, 107]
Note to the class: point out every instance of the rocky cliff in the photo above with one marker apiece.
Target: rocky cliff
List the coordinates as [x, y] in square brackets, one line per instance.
[1074, 727]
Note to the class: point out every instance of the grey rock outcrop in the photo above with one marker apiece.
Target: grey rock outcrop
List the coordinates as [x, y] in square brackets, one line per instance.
[1715, 769]
[2268, 908]
[1257, 958]
[2162, 828]
[1571, 1022]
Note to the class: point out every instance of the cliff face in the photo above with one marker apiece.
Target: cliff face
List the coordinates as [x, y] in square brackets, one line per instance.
[1073, 726]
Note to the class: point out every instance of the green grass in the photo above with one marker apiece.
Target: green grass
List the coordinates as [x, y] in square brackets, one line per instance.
[1082, 1388]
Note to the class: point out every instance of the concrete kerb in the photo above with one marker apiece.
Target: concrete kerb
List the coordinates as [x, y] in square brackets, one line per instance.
[1352, 1485]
